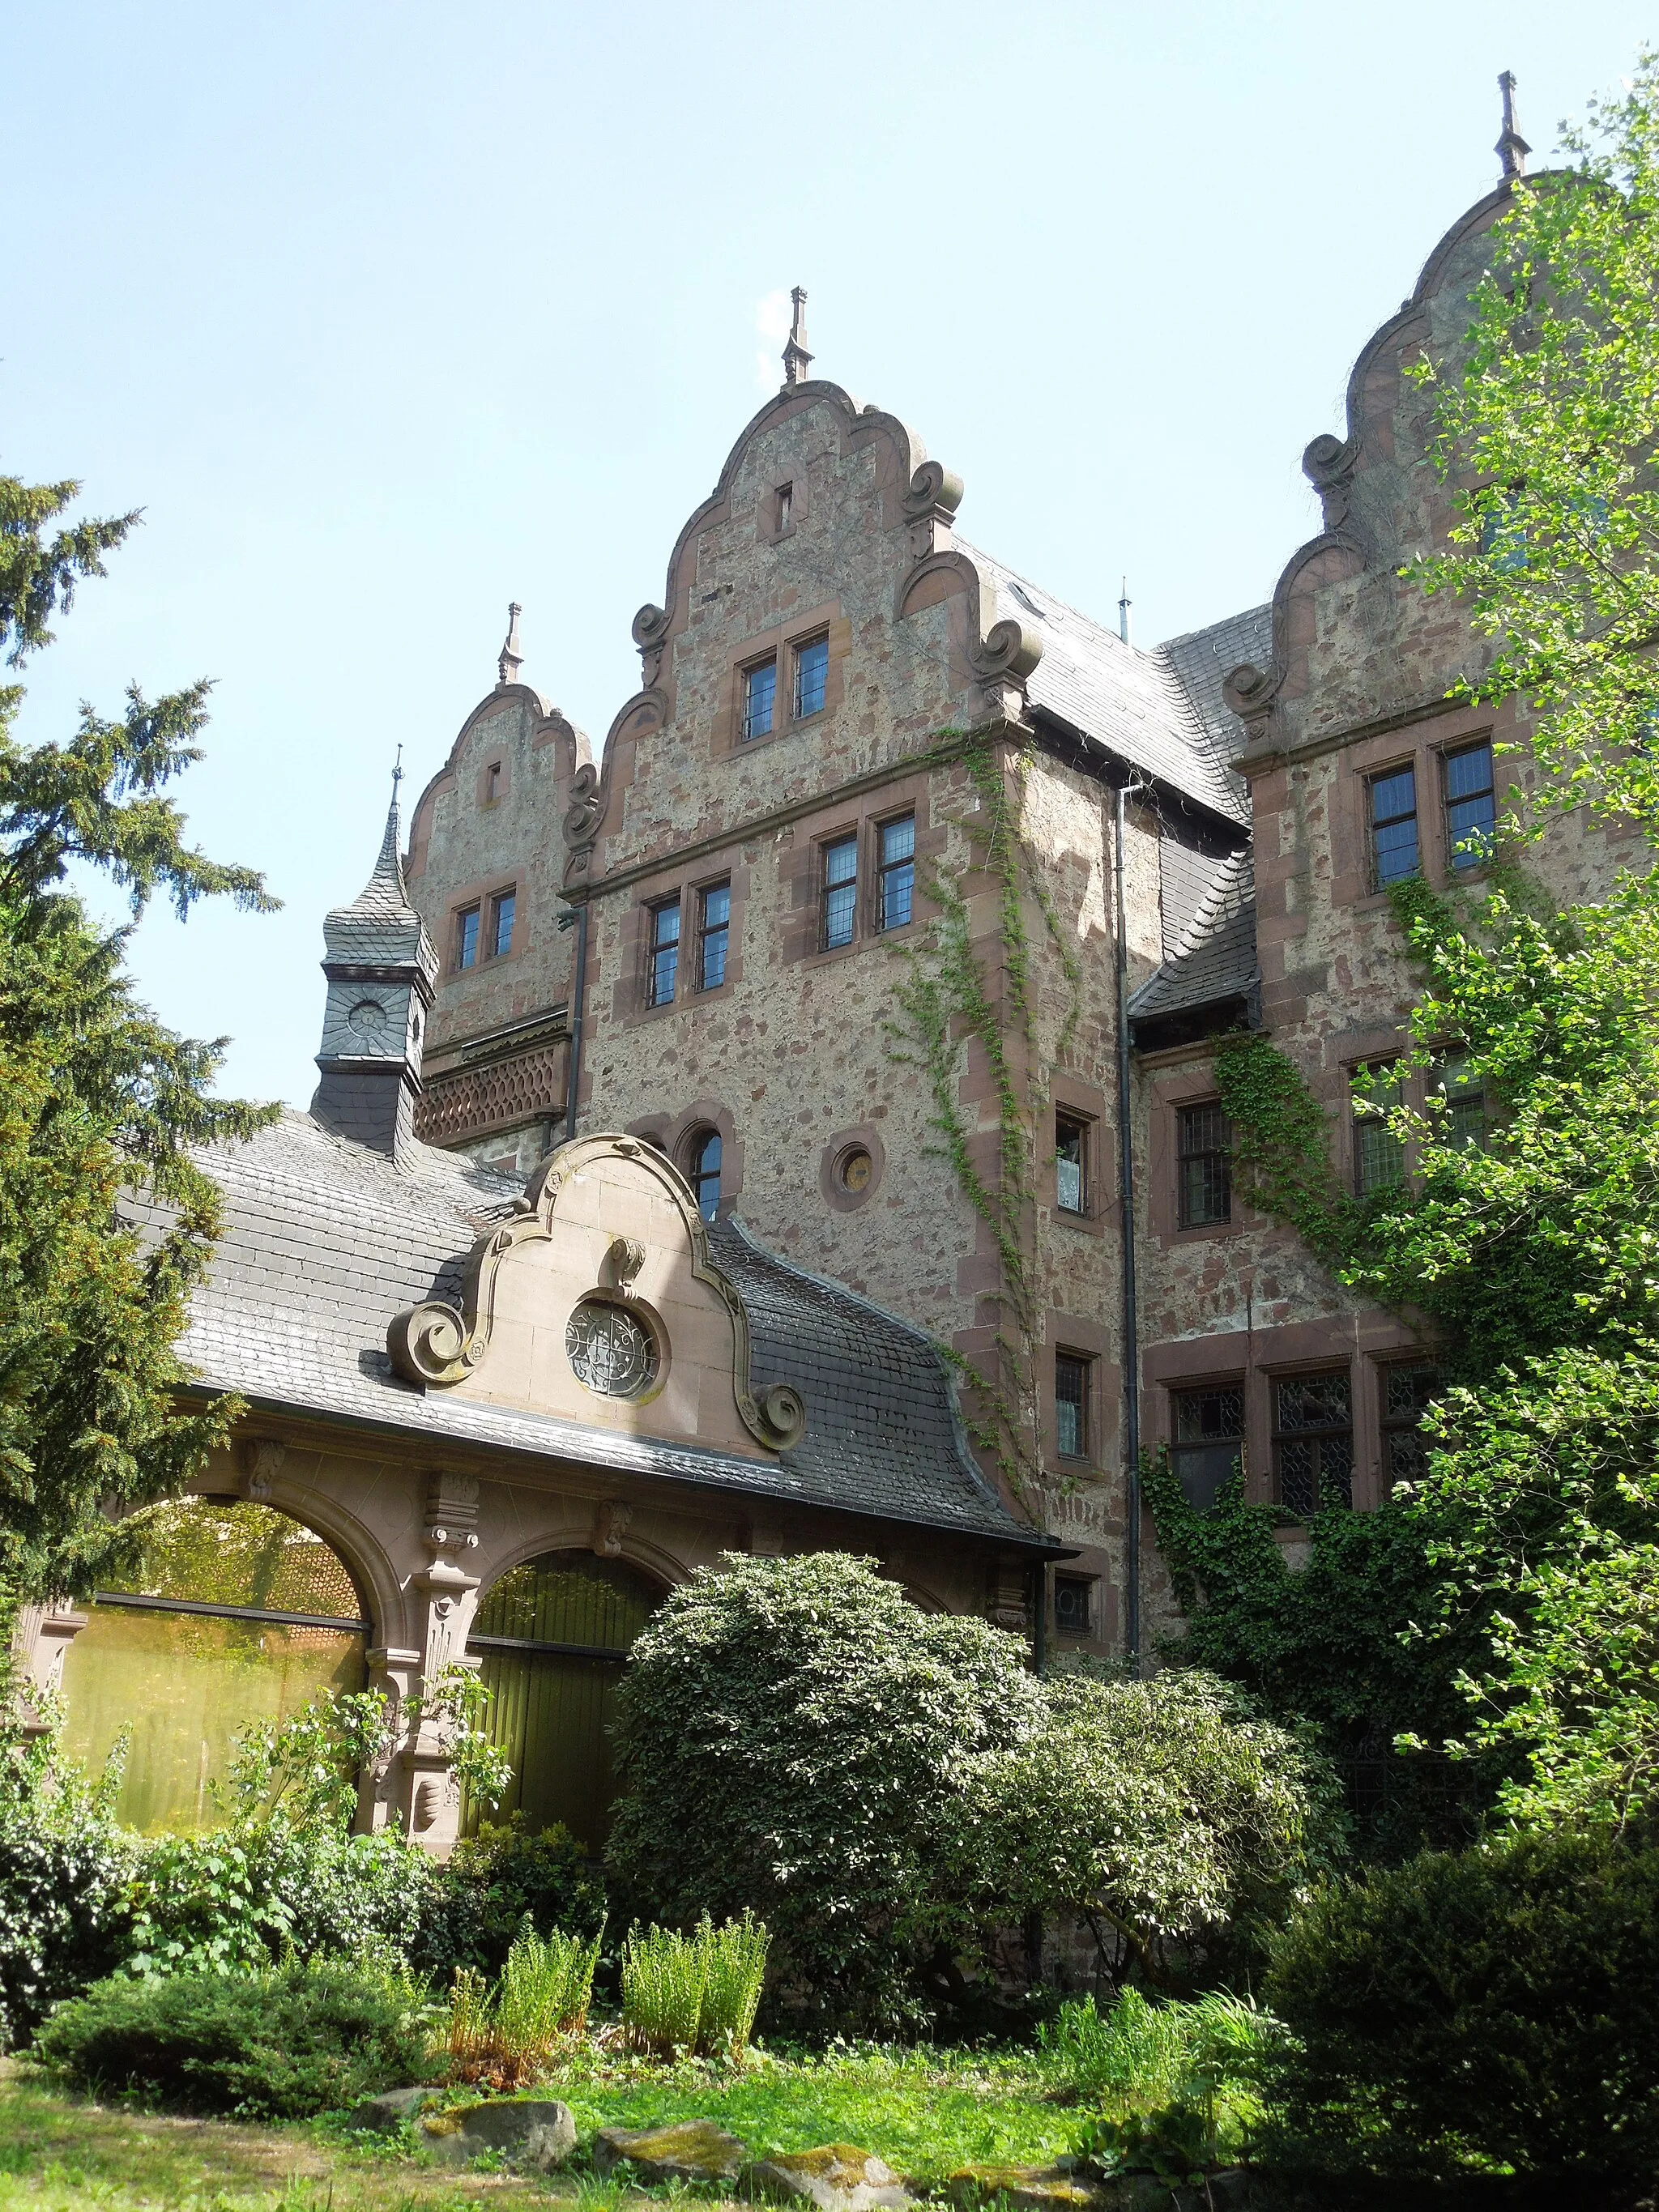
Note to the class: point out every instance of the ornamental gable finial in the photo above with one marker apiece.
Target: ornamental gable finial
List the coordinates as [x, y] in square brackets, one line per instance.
[511, 660]
[796, 359]
[1511, 149]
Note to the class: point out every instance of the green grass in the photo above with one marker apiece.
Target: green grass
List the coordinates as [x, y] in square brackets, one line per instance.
[926, 2111]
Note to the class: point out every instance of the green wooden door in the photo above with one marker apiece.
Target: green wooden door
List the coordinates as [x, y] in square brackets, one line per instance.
[552, 1635]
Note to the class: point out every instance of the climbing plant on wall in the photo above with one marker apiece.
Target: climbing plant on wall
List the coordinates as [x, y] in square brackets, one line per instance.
[954, 996]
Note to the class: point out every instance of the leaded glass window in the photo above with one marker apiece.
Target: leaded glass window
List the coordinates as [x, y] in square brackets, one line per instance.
[1313, 1441]
[1208, 1446]
[610, 1349]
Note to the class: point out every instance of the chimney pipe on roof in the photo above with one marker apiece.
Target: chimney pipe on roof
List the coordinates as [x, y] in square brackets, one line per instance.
[1124, 607]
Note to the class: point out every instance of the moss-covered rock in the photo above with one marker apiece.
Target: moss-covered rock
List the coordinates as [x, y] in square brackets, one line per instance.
[690, 2150]
[532, 2131]
[835, 2177]
[1054, 2188]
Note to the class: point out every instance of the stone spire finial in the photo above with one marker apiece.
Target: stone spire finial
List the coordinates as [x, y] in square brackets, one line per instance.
[796, 359]
[511, 661]
[1511, 149]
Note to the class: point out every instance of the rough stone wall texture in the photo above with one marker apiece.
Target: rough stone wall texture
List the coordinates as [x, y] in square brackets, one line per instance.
[473, 836]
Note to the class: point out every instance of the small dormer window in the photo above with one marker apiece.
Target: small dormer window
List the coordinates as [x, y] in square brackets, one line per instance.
[492, 783]
[786, 502]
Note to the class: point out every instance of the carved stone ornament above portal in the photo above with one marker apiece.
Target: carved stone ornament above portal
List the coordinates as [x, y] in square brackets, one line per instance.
[561, 1292]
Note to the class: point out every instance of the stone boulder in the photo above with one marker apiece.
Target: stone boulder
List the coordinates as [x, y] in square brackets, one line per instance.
[385, 2114]
[690, 2150]
[532, 2131]
[836, 2177]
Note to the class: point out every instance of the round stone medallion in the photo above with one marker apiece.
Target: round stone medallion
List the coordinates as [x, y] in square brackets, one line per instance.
[367, 1018]
[610, 1350]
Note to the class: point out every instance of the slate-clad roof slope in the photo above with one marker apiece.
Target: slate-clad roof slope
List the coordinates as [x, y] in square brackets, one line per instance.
[1135, 704]
[325, 1241]
[881, 1410]
[380, 928]
[1216, 959]
[1204, 659]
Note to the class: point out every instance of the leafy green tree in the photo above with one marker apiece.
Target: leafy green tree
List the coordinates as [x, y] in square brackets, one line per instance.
[100, 1104]
[1547, 412]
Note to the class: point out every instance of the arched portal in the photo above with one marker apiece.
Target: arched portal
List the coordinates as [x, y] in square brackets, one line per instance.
[235, 1614]
[553, 1635]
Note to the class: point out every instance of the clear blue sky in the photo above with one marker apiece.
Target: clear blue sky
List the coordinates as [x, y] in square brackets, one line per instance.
[387, 314]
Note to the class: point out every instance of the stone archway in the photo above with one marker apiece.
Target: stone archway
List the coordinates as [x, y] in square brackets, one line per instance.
[236, 1613]
[551, 1636]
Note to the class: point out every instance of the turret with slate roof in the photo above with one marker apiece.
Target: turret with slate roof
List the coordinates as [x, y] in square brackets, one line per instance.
[382, 971]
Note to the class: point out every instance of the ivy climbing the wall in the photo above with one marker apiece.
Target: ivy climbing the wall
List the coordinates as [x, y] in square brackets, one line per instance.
[952, 997]
[1500, 1605]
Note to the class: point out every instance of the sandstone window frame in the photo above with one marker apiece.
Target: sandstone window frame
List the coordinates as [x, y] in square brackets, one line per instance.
[755, 699]
[1473, 859]
[1424, 743]
[1329, 1443]
[662, 950]
[1203, 1143]
[1376, 824]
[838, 892]
[779, 643]
[1225, 1397]
[712, 923]
[1073, 1152]
[809, 688]
[468, 936]
[503, 921]
[702, 1151]
[1074, 1389]
[1074, 1605]
[1379, 1159]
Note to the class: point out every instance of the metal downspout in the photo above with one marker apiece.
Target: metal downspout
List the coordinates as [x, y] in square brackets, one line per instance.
[1131, 1328]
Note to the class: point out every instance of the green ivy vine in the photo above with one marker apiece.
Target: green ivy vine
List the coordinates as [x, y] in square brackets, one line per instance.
[948, 994]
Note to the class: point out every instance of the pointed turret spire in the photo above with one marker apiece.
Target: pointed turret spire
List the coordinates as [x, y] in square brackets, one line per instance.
[1511, 149]
[511, 661]
[796, 359]
[381, 972]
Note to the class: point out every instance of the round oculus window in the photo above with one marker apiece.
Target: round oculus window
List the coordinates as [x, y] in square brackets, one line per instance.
[855, 1168]
[610, 1350]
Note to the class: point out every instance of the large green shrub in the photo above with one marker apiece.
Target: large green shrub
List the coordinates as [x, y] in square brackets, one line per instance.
[1496, 2007]
[476, 1904]
[792, 1737]
[1167, 1814]
[302, 2037]
[64, 1870]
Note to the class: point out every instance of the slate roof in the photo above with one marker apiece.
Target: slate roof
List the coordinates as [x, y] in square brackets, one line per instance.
[380, 928]
[1216, 958]
[325, 1240]
[1161, 711]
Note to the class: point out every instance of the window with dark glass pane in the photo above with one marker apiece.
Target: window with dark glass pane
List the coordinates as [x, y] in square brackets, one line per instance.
[1464, 1122]
[466, 938]
[501, 924]
[1070, 1190]
[1073, 1605]
[760, 689]
[811, 678]
[714, 925]
[898, 871]
[705, 1172]
[840, 891]
[493, 782]
[664, 951]
[1407, 1392]
[1393, 826]
[1471, 806]
[1071, 1405]
[1379, 1157]
[1203, 1145]
[1208, 1446]
[1313, 1442]
[786, 506]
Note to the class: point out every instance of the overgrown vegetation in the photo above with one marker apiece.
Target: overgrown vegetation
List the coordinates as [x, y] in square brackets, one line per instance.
[696, 1995]
[507, 2036]
[952, 1000]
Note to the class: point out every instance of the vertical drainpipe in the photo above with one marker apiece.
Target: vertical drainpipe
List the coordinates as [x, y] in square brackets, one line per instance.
[578, 1001]
[1131, 1330]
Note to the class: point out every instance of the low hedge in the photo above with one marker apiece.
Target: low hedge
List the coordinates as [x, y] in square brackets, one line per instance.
[281, 2045]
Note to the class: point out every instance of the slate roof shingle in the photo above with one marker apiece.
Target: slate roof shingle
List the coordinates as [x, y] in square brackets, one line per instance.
[1161, 711]
[325, 1240]
[1216, 959]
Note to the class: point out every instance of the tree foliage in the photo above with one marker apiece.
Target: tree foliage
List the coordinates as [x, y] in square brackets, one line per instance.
[1546, 409]
[100, 1104]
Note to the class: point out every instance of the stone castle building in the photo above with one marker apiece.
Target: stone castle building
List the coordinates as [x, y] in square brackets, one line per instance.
[791, 1121]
